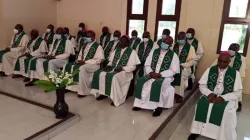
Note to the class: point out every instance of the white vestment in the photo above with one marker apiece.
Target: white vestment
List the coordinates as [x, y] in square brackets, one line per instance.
[54, 64]
[9, 58]
[167, 91]
[121, 81]
[37, 53]
[227, 130]
[186, 72]
[73, 41]
[113, 47]
[47, 38]
[199, 53]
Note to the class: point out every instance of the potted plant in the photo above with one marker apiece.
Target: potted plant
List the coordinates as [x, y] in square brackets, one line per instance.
[58, 81]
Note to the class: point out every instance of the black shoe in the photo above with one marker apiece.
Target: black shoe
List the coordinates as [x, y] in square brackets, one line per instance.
[136, 108]
[26, 80]
[31, 83]
[3, 74]
[190, 84]
[16, 76]
[157, 112]
[193, 136]
[239, 107]
[112, 104]
[178, 98]
[81, 96]
[101, 97]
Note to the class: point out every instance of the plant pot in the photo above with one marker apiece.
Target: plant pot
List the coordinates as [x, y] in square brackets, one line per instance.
[61, 109]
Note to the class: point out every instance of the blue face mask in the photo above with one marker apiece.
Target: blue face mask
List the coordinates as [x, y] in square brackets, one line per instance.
[164, 46]
[181, 42]
[115, 38]
[88, 39]
[134, 37]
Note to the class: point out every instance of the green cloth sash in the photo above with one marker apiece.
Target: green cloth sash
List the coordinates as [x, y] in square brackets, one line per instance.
[1, 55]
[144, 54]
[108, 36]
[95, 82]
[195, 44]
[159, 42]
[49, 38]
[46, 65]
[61, 47]
[91, 52]
[17, 42]
[33, 64]
[108, 82]
[157, 84]
[183, 58]
[108, 48]
[217, 109]
[26, 64]
[237, 62]
[82, 43]
[137, 42]
[37, 43]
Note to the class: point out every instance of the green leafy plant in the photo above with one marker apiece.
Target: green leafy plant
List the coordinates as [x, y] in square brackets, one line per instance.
[57, 80]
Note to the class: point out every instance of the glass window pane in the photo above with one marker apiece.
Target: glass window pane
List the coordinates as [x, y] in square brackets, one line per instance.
[238, 8]
[168, 7]
[137, 6]
[136, 25]
[171, 25]
[234, 33]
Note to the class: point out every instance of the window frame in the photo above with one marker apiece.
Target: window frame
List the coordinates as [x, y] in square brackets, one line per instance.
[232, 20]
[143, 16]
[160, 17]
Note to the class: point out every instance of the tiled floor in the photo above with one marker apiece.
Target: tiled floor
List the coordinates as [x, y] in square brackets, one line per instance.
[19, 120]
[99, 120]
[243, 126]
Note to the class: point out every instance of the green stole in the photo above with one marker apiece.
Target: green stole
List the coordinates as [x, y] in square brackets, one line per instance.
[1, 55]
[156, 85]
[159, 42]
[137, 42]
[49, 38]
[217, 109]
[28, 59]
[90, 55]
[108, 36]
[108, 48]
[195, 44]
[109, 75]
[183, 58]
[237, 62]
[17, 42]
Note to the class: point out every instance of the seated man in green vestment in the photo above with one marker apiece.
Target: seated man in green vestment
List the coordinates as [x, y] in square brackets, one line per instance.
[215, 113]
[134, 40]
[113, 81]
[37, 47]
[48, 37]
[154, 90]
[165, 34]
[17, 48]
[105, 37]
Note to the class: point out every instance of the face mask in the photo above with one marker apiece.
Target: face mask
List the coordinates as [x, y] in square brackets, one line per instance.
[115, 38]
[189, 35]
[88, 39]
[164, 36]
[15, 31]
[232, 53]
[181, 42]
[57, 36]
[66, 35]
[164, 46]
[80, 28]
[48, 30]
[134, 37]
[145, 40]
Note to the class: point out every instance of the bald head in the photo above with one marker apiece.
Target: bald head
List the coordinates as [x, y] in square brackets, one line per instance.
[34, 34]
[224, 60]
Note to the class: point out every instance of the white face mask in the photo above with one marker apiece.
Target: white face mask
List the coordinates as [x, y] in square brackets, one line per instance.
[48, 30]
[80, 28]
[232, 53]
[57, 36]
[145, 40]
[15, 31]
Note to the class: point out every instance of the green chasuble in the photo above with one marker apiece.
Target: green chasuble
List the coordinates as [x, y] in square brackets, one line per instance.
[217, 109]
[159, 42]
[108, 48]
[108, 36]
[183, 58]
[136, 43]
[90, 55]
[237, 62]
[109, 75]
[49, 38]
[28, 59]
[195, 44]
[156, 85]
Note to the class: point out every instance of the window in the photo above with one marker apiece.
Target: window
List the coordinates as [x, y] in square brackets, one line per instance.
[167, 16]
[235, 25]
[137, 14]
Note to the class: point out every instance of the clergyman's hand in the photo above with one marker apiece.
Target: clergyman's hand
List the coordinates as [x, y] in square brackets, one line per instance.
[211, 97]
[219, 100]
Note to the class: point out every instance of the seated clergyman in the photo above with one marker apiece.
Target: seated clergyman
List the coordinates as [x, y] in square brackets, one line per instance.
[49, 35]
[154, 90]
[113, 81]
[165, 34]
[36, 48]
[215, 114]
[69, 36]
[134, 40]
[105, 37]
[17, 48]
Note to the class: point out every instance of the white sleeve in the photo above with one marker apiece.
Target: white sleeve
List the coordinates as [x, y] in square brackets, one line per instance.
[199, 52]
[203, 84]
[73, 42]
[68, 50]
[148, 62]
[99, 56]
[174, 68]
[132, 62]
[111, 57]
[23, 44]
[42, 49]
